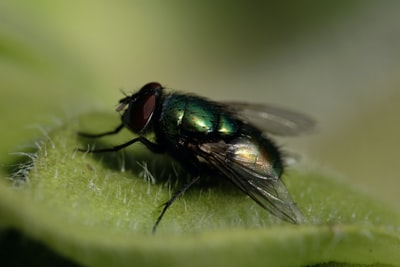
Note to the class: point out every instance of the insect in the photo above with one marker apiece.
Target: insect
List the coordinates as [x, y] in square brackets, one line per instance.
[224, 138]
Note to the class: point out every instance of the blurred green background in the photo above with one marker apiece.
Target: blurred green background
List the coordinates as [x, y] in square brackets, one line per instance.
[337, 61]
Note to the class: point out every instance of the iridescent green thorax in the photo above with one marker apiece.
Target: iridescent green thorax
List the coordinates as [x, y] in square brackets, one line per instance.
[185, 115]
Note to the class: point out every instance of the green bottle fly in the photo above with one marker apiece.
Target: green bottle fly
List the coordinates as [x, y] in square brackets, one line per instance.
[224, 138]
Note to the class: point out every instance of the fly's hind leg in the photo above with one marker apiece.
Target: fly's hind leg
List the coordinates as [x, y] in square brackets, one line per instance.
[172, 200]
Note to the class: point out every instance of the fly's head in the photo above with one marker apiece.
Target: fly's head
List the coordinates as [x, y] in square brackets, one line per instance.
[139, 108]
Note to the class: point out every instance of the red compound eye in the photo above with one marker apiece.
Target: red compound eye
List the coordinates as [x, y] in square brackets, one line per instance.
[140, 112]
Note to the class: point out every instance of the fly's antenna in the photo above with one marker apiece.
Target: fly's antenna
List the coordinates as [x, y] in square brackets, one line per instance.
[123, 103]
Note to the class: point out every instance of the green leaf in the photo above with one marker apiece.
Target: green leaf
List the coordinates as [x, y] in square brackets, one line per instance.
[99, 209]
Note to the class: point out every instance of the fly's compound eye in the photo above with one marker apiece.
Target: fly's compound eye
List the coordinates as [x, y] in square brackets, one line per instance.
[139, 112]
[151, 86]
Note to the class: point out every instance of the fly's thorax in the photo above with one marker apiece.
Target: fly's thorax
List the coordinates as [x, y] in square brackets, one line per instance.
[192, 116]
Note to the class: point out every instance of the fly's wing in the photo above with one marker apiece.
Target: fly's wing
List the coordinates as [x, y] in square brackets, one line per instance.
[272, 119]
[263, 186]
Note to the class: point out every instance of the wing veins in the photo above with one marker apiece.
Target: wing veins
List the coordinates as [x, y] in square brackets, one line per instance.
[272, 119]
[262, 189]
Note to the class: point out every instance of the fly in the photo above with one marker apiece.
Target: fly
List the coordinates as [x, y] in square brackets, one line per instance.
[224, 138]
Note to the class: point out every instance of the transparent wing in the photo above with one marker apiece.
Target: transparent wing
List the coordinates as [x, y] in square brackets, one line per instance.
[273, 119]
[265, 189]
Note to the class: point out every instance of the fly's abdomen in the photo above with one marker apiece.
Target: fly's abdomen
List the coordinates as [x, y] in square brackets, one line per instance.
[190, 116]
[255, 156]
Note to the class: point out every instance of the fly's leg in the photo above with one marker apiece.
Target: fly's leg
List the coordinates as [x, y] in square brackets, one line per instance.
[115, 131]
[172, 200]
[153, 147]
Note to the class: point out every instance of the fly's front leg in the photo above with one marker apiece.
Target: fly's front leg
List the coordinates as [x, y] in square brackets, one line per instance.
[89, 135]
[153, 147]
